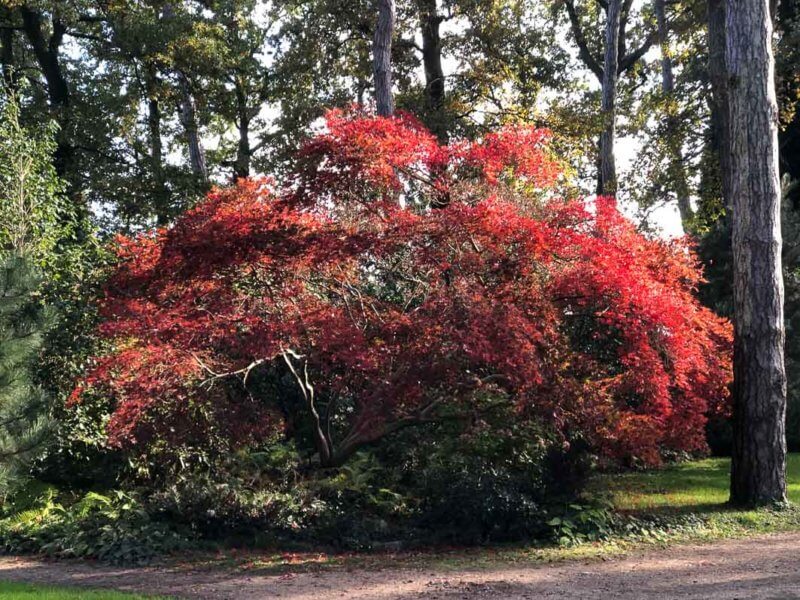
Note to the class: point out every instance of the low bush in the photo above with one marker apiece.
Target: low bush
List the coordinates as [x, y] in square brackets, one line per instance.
[113, 528]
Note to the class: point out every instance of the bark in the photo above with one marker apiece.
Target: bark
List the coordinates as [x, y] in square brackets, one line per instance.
[382, 58]
[187, 115]
[607, 184]
[241, 167]
[719, 94]
[758, 473]
[676, 168]
[161, 192]
[187, 112]
[46, 49]
[430, 21]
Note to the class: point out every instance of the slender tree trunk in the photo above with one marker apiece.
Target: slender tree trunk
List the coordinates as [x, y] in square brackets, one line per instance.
[430, 22]
[160, 192]
[188, 116]
[677, 168]
[382, 58]
[758, 474]
[241, 167]
[608, 108]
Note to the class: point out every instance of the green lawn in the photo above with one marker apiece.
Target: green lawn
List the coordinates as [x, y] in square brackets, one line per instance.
[698, 486]
[24, 591]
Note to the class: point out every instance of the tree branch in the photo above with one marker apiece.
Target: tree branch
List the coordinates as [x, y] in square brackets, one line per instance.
[631, 59]
[580, 39]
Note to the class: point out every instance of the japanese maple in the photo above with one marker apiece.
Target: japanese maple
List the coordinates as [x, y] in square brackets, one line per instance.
[393, 281]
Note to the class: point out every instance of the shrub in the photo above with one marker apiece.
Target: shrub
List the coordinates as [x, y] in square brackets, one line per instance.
[394, 283]
[114, 528]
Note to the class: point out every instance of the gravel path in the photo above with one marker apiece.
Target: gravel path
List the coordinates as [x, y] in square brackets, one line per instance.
[760, 568]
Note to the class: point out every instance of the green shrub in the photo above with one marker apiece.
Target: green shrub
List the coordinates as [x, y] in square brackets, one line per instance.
[114, 529]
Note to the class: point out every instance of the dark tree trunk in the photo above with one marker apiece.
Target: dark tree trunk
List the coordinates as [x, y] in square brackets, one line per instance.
[608, 167]
[382, 58]
[430, 22]
[241, 167]
[46, 49]
[677, 168]
[160, 192]
[187, 112]
[758, 474]
[719, 93]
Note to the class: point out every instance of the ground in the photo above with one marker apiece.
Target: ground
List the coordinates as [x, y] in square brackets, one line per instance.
[725, 554]
[760, 568]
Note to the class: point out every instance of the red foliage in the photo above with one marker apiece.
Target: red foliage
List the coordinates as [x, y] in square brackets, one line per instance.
[382, 312]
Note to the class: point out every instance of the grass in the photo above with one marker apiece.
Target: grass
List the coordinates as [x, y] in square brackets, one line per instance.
[698, 486]
[25, 591]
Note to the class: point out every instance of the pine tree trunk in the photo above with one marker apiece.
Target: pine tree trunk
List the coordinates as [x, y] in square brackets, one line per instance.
[677, 169]
[608, 108]
[382, 58]
[430, 21]
[758, 474]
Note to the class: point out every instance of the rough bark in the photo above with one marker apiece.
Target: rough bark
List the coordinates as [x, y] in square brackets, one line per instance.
[187, 112]
[719, 93]
[382, 58]
[607, 184]
[430, 22]
[676, 167]
[758, 474]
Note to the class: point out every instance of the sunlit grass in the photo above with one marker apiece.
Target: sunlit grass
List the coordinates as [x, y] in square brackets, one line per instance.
[696, 486]
[25, 591]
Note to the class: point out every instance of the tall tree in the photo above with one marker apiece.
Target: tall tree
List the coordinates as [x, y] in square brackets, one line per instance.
[617, 60]
[430, 24]
[676, 165]
[758, 473]
[382, 58]
[47, 40]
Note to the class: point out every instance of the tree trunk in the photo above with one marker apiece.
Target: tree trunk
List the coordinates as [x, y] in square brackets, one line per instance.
[719, 95]
[758, 473]
[608, 107]
[677, 168]
[382, 58]
[430, 21]
[241, 167]
[160, 192]
[187, 112]
[47, 50]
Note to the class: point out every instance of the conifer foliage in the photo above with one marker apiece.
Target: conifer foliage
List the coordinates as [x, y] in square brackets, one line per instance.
[393, 281]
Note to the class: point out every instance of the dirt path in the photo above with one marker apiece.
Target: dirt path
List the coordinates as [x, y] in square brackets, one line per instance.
[764, 568]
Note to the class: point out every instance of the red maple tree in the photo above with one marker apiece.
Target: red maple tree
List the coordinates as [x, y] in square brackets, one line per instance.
[392, 281]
